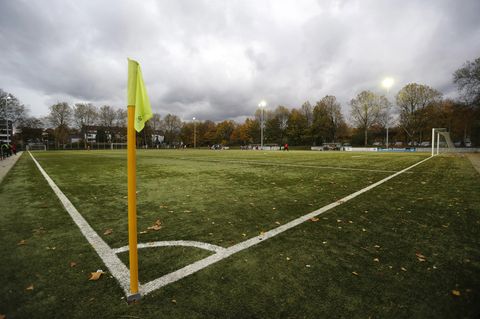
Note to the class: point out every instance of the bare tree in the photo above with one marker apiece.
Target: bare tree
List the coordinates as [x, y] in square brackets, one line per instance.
[468, 80]
[171, 125]
[412, 100]
[11, 108]
[60, 117]
[366, 109]
[84, 116]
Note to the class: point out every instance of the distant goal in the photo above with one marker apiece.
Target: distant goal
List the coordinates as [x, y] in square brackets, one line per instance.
[36, 147]
[118, 146]
[441, 141]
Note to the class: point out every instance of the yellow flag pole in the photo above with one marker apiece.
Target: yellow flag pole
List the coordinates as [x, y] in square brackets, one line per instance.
[132, 205]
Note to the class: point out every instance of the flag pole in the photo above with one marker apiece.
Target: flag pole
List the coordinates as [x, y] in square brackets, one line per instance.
[132, 205]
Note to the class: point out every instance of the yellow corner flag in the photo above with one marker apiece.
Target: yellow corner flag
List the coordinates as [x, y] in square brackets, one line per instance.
[137, 95]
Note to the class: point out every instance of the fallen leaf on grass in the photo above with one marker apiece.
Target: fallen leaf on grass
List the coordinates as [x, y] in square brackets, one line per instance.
[156, 226]
[108, 231]
[143, 232]
[244, 234]
[403, 268]
[96, 275]
[22, 242]
[73, 264]
[277, 222]
[314, 219]
[455, 292]
[355, 273]
[174, 301]
[420, 257]
[376, 246]
[187, 211]
[376, 259]
[29, 287]
[288, 258]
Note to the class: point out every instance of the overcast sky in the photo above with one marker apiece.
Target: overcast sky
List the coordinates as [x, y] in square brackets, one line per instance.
[217, 59]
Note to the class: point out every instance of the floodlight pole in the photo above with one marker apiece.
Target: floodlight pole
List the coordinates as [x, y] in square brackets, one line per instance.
[194, 133]
[261, 105]
[388, 114]
[7, 98]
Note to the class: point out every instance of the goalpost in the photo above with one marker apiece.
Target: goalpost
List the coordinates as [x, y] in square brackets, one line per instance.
[436, 133]
[36, 147]
[118, 146]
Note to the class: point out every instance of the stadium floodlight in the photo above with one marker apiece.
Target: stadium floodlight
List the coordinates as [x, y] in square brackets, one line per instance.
[7, 98]
[194, 133]
[261, 105]
[387, 84]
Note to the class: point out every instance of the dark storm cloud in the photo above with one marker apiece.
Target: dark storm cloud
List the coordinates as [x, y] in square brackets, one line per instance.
[218, 59]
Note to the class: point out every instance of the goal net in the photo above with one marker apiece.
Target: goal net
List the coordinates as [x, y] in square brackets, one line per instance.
[118, 146]
[36, 147]
[441, 141]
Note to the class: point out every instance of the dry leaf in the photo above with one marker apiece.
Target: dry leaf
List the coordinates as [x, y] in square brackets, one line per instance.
[262, 233]
[314, 219]
[376, 246]
[187, 211]
[420, 257]
[455, 292]
[143, 232]
[308, 266]
[96, 275]
[29, 287]
[73, 264]
[108, 231]
[350, 222]
[403, 269]
[174, 301]
[363, 229]
[277, 222]
[339, 220]
[376, 259]
[288, 258]
[22, 242]
[156, 226]
[244, 234]
[355, 273]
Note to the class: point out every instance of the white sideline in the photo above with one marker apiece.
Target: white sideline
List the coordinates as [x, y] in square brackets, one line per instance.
[116, 267]
[202, 159]
[120, 271]
[186, 243]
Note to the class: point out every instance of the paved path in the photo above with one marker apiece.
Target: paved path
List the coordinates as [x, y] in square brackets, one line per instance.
[475, 159]
[7, 164]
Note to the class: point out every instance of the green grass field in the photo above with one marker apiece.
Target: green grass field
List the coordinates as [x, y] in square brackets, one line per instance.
[358, 260]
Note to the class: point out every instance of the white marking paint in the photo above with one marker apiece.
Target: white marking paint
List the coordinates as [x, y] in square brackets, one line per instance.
[199, 159]
[200, 264]
[116, 267]
[120, 271]
[186, 243]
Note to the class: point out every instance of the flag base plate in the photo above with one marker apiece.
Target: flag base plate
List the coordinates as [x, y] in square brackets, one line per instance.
[134, 298]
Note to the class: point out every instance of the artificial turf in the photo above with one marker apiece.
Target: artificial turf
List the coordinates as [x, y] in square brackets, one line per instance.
[358, 260]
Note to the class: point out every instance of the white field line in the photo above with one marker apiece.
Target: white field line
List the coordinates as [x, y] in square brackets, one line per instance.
[116, 267]
[186, 243]
[200, 264]
[284, 164]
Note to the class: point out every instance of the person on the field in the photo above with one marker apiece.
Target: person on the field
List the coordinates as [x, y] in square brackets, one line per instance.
[285, 147]
[14, 149]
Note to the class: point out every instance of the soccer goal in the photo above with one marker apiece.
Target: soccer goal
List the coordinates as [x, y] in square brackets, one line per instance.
[118, 146]
[446, 144]
[36, 147]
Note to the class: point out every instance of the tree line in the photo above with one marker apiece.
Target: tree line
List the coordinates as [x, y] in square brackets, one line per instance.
[417, 108]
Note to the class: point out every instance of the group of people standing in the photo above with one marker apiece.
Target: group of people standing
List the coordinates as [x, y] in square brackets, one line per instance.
[7, 149]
